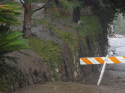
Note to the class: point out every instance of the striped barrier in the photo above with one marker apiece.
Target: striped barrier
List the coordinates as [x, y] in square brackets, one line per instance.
[102, 60]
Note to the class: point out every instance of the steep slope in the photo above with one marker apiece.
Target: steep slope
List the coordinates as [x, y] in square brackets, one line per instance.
[59, 43]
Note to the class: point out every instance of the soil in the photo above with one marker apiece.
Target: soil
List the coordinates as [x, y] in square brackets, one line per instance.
[63, 87]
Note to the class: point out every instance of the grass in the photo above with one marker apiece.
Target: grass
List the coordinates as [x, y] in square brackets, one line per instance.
[90, 26]
[69, 38]
[4, 85]
[50, 52]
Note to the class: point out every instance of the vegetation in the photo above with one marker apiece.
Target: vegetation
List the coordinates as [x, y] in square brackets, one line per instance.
[71, 7]
[8, 13]
[88, 35]
[91, 31]
[9, 41]
[69, 38]
[118, 24]
[50, 52]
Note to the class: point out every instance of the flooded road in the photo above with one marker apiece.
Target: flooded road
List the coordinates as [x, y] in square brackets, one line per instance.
[115, 73]
[61, 87]
[113, 80]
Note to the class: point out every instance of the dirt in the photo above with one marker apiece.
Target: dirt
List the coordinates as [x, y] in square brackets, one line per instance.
[32, 70]
[63, 87]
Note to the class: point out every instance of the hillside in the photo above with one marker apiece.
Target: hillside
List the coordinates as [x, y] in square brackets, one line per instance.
[56, 45]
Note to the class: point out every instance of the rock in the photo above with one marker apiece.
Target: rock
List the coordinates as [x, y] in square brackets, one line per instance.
[31, 68]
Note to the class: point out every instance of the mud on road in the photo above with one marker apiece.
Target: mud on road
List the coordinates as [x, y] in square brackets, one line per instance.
[68, 87]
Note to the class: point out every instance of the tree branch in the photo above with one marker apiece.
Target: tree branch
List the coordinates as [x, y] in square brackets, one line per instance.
[41, 7]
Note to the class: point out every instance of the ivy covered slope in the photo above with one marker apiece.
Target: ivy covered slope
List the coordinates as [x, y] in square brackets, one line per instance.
[61, 42]
[9, 41]
[59, 38]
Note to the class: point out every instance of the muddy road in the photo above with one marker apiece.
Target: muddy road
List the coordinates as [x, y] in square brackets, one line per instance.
[113, 80]
[61, 87]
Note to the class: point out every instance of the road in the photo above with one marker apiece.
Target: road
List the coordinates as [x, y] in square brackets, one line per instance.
[115, 73]
[62, 87]
[113, 80]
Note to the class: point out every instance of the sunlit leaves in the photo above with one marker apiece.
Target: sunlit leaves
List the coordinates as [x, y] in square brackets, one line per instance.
[8, 13]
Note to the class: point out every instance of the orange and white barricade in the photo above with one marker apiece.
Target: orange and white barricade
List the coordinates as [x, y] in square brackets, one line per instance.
[101, 60]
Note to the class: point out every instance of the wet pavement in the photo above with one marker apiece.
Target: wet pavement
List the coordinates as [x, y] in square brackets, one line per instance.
[115, 73]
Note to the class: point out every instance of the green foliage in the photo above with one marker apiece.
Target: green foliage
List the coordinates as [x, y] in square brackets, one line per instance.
[90, 27]
[8, 13]
[116, 4]
[9, 41]
[69, 38]
[50, 52]
[92, 24]
[65, 7]
[119, 24]
[12, 41]
[4, 85]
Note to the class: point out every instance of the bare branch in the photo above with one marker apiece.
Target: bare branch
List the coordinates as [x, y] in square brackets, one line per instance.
[39, 8]
[45, 5]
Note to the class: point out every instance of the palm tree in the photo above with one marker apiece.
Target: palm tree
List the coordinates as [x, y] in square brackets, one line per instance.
[9, 41]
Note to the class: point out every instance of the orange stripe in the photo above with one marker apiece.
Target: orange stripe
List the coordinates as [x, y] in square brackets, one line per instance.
[100, 60]
[114, 59]
[123, 56]
[86, 61]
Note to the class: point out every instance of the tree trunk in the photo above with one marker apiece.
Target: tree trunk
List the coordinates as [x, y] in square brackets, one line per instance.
[76, 14]
[57, 2]
[27, 19]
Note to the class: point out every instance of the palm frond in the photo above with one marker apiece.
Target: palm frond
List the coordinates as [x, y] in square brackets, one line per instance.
[12, 41]
[9, 12]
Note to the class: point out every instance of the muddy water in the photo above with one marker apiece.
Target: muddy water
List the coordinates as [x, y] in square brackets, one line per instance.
[61, 87]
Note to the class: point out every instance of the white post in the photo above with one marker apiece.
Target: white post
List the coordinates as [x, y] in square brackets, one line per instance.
[102, 72]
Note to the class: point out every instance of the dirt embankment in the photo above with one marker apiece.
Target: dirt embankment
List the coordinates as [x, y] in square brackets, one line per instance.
[29, 69]
[32, 66]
